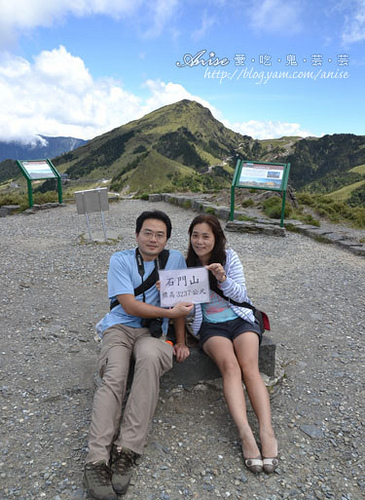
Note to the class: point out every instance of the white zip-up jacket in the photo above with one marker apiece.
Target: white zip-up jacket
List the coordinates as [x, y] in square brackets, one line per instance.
[234, 287]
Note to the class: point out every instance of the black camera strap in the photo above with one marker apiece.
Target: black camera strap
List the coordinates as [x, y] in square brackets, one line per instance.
[160, 263]
[219, 292]
[260, 316]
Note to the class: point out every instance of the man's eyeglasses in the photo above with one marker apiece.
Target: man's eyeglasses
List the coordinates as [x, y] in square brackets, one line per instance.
[150, 234]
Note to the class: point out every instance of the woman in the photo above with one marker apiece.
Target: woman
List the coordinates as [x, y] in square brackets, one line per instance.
[230, 336]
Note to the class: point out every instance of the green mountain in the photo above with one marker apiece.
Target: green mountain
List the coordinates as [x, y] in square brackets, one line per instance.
[171, 148]
[328, 161]
[182, 147]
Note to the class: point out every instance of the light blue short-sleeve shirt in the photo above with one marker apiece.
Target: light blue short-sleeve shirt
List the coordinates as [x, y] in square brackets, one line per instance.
[123, 278]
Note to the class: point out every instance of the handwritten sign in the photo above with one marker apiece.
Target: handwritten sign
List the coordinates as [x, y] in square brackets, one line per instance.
[184, 285]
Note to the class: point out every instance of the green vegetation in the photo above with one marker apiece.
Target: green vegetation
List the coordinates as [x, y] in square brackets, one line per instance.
[335, 181]
[333, 209]
[182, 147]
[244, 218]
[23, 201]
[171, 148]
[272, 208]
[347, 192]
[357, 197]
[327, 162]
[9, 170]
[209, 210]
[103, 155]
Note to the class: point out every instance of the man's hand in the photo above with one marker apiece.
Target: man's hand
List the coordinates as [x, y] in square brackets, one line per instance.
[181, 310]
[181, 351]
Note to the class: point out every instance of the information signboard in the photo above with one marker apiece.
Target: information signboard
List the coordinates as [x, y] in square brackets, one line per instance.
[39, 169]
[35, 170]
[261, 175]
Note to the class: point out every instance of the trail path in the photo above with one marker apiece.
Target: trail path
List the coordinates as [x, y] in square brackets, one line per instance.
[53, 291]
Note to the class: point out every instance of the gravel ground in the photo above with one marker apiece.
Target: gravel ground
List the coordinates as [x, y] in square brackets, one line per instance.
[53, 291]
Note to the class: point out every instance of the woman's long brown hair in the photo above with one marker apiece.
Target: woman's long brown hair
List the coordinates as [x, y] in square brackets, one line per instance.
[219, 250]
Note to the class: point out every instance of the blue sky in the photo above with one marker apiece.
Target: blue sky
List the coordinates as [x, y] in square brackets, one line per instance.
[265, 69]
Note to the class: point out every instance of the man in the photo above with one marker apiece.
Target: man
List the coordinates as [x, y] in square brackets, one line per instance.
[116, 440]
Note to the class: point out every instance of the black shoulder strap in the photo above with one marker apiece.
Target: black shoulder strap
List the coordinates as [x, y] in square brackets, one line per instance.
[160, 263]
[219, 292]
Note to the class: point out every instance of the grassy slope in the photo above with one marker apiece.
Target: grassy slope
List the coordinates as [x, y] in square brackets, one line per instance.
[345, 192]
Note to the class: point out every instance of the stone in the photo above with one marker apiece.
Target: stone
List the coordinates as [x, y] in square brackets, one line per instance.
[199, 367]
[255, 228]
[8, 210]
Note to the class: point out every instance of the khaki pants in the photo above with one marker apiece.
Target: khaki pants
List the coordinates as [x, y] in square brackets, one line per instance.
[152, 359]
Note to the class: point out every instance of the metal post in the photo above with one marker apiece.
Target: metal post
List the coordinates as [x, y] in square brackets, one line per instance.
[86, 215]
[102, 217]
[59, 184]
[231, 213]
[88, 225]
[233, 185]
[283, 208]
[103, 223]
[30, 194]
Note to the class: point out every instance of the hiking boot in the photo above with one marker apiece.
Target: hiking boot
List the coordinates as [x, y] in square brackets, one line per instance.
[122, 463]
[97, 479]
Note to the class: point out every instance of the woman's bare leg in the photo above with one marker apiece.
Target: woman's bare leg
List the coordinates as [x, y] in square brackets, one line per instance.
[221, 351]
[246, 348]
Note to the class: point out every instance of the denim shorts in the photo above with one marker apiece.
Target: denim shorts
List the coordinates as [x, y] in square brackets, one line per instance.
[228, 329]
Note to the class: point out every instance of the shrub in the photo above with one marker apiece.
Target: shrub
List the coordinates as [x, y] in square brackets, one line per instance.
[247, 203]
[334, 210]
[309, 219]
[272, 208]
[187, 204]
[209, 210]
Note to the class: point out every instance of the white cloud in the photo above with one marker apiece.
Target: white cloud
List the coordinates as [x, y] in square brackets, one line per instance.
[267, 130]
[167, 93]
[19, 17]
[58, 67]
[354, 27]
[207, 23]
[56, 96]
[160, 13]
[276, 16]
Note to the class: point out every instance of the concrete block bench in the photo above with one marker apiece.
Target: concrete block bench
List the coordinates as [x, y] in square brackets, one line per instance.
[198, 367]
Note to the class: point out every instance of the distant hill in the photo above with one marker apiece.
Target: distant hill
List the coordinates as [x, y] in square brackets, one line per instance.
[45, 147]
[182, 147]
[332, 165]
[177, 147]
[174, 147]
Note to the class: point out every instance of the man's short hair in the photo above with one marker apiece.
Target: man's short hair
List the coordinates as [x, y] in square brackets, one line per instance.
[154, 214]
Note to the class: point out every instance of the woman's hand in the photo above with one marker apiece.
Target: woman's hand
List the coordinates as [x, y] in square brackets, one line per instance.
[218, 272]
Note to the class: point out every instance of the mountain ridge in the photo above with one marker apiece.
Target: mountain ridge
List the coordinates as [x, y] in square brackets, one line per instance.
[42, 147]
[181, 146]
